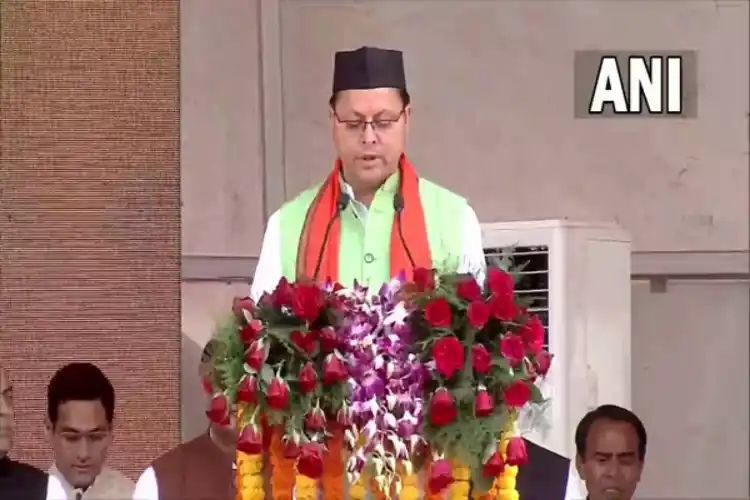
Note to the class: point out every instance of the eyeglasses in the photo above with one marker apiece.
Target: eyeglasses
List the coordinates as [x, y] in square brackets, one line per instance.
[378, 125]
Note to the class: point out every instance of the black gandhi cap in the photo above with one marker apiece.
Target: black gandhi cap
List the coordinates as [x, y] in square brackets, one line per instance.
[368, 68]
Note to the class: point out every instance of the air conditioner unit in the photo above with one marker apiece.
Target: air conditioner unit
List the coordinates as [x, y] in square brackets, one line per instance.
[578, 274]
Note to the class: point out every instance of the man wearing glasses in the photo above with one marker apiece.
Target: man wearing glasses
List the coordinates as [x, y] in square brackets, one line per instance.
[373, 216]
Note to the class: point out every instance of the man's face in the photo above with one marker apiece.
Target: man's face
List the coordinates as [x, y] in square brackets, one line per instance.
[80, 439]
[611, 468]
[369, 152]
[6, 413]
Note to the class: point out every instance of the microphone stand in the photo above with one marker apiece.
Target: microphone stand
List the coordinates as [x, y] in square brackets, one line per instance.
[341, 205]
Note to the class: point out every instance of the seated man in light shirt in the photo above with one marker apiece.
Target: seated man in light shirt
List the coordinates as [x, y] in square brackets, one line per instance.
[201, 469]
[80, 417]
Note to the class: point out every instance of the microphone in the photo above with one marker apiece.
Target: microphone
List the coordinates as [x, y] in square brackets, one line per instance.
[341, 205]
[398, 206]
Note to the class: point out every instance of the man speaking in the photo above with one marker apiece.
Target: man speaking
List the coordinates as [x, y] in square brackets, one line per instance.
[373, 216]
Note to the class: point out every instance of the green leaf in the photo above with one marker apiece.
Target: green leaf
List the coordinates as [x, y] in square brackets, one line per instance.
[479, 482]
[536, 394]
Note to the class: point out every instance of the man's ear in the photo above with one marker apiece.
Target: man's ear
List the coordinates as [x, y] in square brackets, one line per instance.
[48, 427]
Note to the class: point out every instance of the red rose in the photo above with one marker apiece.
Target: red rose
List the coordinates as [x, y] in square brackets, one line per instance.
[250, 331]
[494, 466]
[481, 360]
[449, 356]
[469, 290]
[499, 282]
[443, 409]
[542, 363]
[218, 410]
[533, 334]
[240, 305]
[424, 279]
[516, 453]
[308, 378]
[517, 394]
[277, 394]
[478, 313]
[247, 390]
[512, 349]
[307, 341]
[483, 403]
[256, 355]
[282, 295]
[334, 370]
[308, 300]
[441, 476]
[437, 312]
[208, 384]
[310, 460]
[344, 417]
[315, 420]
[291, 449]
[329, 341]
[503, 307]
[250, 440]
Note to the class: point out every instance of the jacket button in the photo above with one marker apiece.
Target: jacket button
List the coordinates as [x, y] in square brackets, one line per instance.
[369, 258]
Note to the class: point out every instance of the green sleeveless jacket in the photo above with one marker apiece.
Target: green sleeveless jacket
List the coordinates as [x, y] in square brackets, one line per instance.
[364, 254]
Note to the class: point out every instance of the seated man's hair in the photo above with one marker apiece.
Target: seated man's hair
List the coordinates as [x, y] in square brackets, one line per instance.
[80, 382]
[612, 413]
[208, 351]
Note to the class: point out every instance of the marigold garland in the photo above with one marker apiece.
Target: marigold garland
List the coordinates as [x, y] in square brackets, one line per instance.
[282, 474]
[249, 479]
[287, 484]
[332, 481]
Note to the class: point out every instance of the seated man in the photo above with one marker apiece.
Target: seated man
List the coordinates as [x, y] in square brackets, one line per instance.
[19, 481]
[201, 469]
[610, 452]
[80, 415]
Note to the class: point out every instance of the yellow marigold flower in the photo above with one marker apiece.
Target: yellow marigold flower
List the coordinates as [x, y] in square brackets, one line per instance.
[409, 493]
[507, 495]
[305, 488]
[459, 490]
[357, 491]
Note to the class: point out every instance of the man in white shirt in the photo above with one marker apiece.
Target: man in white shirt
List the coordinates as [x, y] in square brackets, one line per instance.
[80, 417]
[201, 469]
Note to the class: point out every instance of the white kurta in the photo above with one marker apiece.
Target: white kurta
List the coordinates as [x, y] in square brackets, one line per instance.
[268, 271]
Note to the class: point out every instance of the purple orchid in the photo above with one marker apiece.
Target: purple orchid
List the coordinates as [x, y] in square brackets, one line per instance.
[385, 384]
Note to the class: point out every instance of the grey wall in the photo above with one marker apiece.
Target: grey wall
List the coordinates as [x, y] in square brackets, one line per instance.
[492, 85]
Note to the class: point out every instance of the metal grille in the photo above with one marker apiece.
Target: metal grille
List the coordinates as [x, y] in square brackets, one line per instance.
[533, 276]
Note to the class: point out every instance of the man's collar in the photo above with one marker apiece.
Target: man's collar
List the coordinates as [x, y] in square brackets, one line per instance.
[389, 186]
[55, 471]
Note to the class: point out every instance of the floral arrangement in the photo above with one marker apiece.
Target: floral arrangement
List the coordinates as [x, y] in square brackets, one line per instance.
[411, 392]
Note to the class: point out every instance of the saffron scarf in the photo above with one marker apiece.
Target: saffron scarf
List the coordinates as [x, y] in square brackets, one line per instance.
[323, 210]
